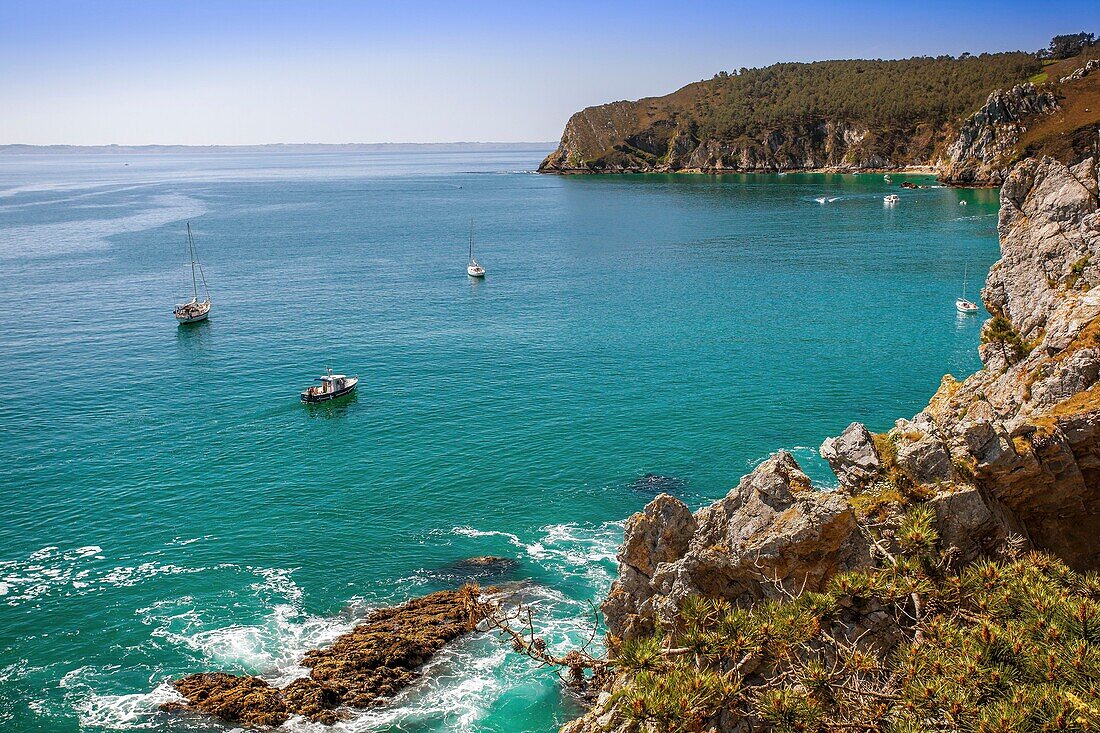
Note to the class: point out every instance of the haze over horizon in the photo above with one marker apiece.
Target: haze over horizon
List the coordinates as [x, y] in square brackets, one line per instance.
[251, 72]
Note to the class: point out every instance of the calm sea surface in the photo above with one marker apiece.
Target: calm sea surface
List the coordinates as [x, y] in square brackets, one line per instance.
[169, 507]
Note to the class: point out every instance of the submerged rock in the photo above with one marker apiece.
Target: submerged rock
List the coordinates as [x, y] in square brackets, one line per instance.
[655, 483]
[363, 668]
[483, 568]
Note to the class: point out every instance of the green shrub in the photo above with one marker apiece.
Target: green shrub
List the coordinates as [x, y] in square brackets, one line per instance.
[1001, 645]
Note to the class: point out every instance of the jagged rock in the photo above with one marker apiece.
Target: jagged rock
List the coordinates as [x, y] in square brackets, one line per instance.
[853, 457]
[1014, 450]
[987, 139]
[966, 523]
[771, 529]
[361, 669]
[1046, 228]
[1091, 66]
[1028, 426]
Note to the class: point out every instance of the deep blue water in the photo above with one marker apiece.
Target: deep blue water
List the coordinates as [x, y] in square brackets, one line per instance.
[169, 507]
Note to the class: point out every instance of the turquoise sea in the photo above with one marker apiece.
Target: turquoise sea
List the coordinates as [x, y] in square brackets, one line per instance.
[169, 507]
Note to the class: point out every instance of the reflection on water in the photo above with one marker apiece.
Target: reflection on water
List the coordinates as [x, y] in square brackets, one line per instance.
[195, 334]
[967, 320]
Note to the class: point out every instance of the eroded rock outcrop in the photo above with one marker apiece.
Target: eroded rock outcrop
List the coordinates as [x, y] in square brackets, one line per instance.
[772, 531]
[853, 457]
[1021, 435]
[361, 669]
[1010, 456]
[987, 140]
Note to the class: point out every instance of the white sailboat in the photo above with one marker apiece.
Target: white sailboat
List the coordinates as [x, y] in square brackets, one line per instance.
[962, 305]
[195, 309]
[473, 269]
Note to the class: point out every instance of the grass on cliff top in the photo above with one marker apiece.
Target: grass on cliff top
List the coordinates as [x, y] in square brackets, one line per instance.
[1000, 646]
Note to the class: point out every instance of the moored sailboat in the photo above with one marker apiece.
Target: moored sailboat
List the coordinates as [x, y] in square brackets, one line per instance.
[473, 269]
[195, 310]
[962, 305]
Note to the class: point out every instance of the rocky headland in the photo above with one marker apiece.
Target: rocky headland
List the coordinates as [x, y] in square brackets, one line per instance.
[1002, 463]
[850, 116]
[1007, 458]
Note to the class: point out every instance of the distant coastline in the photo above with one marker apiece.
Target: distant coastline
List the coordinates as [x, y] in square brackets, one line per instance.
[20, 149]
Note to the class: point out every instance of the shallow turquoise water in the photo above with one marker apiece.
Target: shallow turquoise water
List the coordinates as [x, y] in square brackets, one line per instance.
[169, 507]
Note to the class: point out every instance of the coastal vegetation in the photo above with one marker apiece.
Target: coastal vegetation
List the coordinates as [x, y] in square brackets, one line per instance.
[969, 117]
[890, 95]
[1008, 644]
[1069, 45]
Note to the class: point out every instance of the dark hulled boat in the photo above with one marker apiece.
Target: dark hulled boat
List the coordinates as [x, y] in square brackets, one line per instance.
[332, 386]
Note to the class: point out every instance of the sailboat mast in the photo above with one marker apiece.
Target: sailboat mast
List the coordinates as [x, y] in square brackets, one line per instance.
[471, 240]
[191, 249]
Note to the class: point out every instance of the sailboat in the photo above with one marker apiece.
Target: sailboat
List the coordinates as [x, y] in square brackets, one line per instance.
[195, 310]
[962, 305]
[473, 269]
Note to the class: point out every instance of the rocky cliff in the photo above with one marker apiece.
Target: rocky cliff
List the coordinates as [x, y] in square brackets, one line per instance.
[1009, 455]
[848, 116]
[987, 140]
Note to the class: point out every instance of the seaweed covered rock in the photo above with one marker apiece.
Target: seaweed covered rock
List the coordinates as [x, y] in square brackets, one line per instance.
[361, 669]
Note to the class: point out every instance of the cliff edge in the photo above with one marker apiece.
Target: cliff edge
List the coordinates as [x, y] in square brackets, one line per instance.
[1008, 457]
[967, 118]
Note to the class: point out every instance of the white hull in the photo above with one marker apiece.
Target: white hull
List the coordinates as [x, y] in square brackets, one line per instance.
[193, 311]
[965, 306]
[475, 271]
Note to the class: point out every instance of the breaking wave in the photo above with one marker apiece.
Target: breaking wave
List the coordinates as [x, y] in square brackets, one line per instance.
[457, 691]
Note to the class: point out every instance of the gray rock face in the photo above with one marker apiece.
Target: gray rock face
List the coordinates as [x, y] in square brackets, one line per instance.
[1026, 426]
[773, 528]
[987, 140]
[1000, 453]
[853, 457]
[1082, 72]
[1012, 450]
[1047, 225]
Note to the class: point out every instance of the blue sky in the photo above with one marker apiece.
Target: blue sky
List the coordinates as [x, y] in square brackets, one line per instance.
[237, 72]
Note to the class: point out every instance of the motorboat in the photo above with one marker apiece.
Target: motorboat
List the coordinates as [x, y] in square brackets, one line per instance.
[195, 309]
[891, 199]
[332, 386]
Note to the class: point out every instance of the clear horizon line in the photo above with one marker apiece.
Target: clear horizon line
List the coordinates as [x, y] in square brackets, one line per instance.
[269, 145]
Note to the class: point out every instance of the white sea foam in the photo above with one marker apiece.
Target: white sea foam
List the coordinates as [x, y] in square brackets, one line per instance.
[457, 690]
[53, 571]
[271, 647]
[133, 711]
